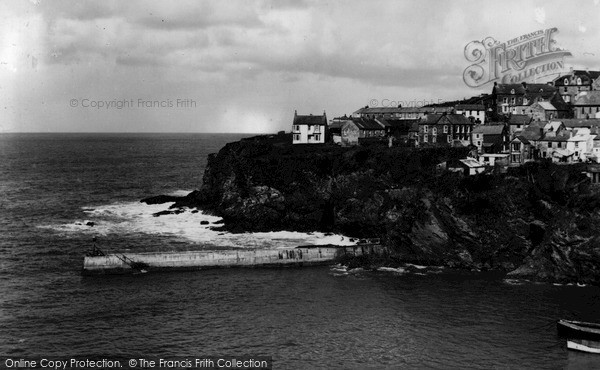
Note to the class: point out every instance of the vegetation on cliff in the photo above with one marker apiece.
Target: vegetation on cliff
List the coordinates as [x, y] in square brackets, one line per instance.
[539, 221]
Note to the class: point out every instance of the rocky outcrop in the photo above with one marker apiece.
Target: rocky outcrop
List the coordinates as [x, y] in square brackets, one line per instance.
[539, 221]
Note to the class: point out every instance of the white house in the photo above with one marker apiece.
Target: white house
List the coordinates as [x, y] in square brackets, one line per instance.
[309, 129]
[477, 111]
[581, 144]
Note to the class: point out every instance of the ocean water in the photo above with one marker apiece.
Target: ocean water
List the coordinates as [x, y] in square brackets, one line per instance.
[52, 185]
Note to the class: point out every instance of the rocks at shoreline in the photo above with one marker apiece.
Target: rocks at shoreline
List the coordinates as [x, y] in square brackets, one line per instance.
[540, 221]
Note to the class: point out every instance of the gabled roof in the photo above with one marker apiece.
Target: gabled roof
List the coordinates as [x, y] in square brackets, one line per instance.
[588, 98]
[310, 119]
[552, 126]
[519, 119]
[458, 119]
[469, 107]
[489, 129]
[563, 136]
[574, 122]
[586, 77]
[521, 139]
[367, 124]
[524, 88]
[545, 105]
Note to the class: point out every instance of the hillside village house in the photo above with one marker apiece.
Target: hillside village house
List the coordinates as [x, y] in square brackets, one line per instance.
[475, 112]
[574, 123]
[521, 150]
[445, 129]
[517, 122]
[507, 97]
[491, 138]
[581, 144]
[355, 129]
[309, 129]
[574, 82]
[587, 105]
[542, 111]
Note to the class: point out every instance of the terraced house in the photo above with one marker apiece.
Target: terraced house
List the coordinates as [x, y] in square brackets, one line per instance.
[445, 130]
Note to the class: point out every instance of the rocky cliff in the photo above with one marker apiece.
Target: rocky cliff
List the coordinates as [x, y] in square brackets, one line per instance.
[539, 222]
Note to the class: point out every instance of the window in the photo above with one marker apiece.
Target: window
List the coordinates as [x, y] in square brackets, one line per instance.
[512, 91]
[512, 101]
[479, 143]
[425, 128]
[425, 138]
[449, 138]
[318, 137]
[445, 129]
[309, 127]
[578, 80]
[296, 137]
[434, 131]
[504, 100]
[296, 128]
[317, 128]
[433, 139]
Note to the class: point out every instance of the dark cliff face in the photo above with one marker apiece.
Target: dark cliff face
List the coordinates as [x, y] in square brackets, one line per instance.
[541, 220]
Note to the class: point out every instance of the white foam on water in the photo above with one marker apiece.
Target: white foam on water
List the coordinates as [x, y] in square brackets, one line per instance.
[180, 193]
[138, 218]
[398, 270]
[417, 266]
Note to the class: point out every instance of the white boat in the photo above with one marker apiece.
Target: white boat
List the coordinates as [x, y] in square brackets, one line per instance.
[583, 345]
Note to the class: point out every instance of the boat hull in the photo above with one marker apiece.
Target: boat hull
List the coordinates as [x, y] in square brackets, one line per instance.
[584, 346]
[578, 330]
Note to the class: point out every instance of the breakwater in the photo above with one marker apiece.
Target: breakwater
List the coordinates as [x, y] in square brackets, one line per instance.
[127, 263]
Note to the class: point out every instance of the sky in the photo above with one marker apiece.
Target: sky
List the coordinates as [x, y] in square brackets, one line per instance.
[246, 66]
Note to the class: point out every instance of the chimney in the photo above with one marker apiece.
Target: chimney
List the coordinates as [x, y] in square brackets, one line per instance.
[295, 112]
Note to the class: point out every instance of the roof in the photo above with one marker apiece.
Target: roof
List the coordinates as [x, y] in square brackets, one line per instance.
[575, 123]
[521, 138]
[552, 126]
[393, 110]
[519, 119]
[458, 119]
[582, 135]
[563, 136]
[336, 124]
[367, 124]
[546, 105]
[586, 77]
[524, 88]
[469, 107]
[397, 123]
[489, 129]
[453, 119]
[310, 120]
[588, 98]
[470, 162]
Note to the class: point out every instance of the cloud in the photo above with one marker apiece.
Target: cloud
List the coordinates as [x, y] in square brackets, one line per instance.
[540, 15]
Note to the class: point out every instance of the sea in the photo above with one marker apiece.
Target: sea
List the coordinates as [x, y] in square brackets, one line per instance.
[58, 191]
